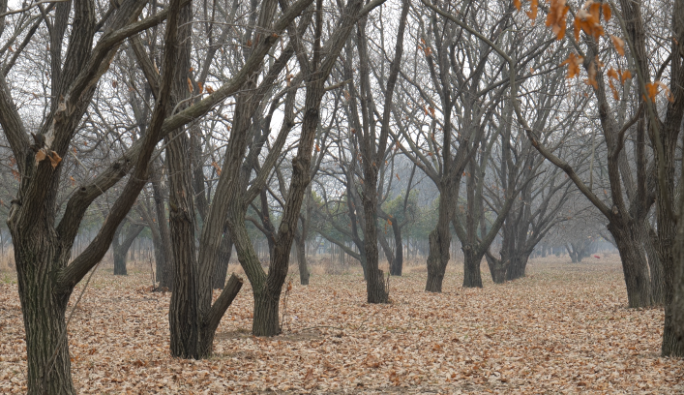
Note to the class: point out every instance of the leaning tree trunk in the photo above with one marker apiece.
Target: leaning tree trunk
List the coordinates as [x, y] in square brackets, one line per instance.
[472, 275]
[634, 264]
[225, 252]
[43, 308]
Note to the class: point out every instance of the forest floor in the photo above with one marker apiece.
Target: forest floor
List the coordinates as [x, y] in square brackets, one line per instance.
[564, 329]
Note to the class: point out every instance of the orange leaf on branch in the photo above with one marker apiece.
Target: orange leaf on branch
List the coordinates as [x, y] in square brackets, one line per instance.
[619, 45]
[573, 61]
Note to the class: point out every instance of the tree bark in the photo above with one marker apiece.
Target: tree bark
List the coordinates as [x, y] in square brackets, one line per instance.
[440, 243]
[397, 265]
[472, 275]
[517, 265]
[163, 252]
[304, 274]
[43, 308]
[225, 252]
[634, 265]
[120, 248]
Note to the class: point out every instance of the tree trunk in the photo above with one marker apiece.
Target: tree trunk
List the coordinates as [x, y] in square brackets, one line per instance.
[266, 314]
[472, 276]
[397, 265]
[163, 254]
[498, 268]
[304, 274]
[43, 308]
[634, 265]
[440, 242]
[517, 265]
[120, 248]
[655, 265]
[225, 252]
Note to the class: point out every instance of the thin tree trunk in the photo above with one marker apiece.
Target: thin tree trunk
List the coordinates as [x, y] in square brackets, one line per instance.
[225, 252]
[164, 256]
[397, 264]
[304, 274]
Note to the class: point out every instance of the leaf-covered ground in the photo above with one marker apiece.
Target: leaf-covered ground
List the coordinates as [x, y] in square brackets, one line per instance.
[563, 329]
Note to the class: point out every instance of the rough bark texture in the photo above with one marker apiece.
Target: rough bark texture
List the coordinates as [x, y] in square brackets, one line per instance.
[634, 265]
[440, 243]
[163, 252]
[472, 275]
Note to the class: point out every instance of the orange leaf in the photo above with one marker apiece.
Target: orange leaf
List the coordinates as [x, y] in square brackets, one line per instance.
[517, 4]
[209, 89]
[619, 45]
[200, 86]
[217, 167]
[557, 18]
[606, 12]
[573, 61]
[616, 96]
[318, 148]
[190, 88]
[592, 76]
[625, 75]
[54, 159]
[534, 10]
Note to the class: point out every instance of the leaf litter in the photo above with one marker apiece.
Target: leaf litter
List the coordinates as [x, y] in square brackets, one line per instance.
[563, 329]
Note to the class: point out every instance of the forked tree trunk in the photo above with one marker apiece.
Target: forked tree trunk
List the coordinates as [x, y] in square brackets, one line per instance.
[634, 265]
[498, 268]
[120, 248]
[472, 275]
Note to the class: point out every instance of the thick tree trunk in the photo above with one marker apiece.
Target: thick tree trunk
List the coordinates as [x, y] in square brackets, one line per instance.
[266, 314]
[440, 243]
[517, 266]
[304, 274]
[655, 266]
[634, 265]
[43, 311]
[498, 268]
[472, 275]
[225, 252]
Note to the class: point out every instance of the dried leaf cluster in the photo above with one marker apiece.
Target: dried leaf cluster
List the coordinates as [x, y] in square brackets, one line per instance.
[563, 329]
